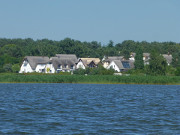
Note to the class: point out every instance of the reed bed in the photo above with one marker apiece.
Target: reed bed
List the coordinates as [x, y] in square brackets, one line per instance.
[103, 79]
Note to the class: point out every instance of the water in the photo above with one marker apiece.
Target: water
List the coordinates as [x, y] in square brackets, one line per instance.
[89, 109]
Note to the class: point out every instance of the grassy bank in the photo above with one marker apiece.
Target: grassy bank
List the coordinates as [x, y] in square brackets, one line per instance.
[109, 79]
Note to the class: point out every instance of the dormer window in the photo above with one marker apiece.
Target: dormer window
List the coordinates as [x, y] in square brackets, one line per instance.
[66, 66]
[25, 63]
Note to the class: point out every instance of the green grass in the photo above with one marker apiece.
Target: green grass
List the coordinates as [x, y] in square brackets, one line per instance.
[109, 79]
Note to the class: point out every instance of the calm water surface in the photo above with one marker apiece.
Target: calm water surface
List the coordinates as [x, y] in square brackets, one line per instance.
[89, 109]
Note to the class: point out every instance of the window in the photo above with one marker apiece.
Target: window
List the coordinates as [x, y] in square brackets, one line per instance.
[66, 66]
[59, 66]
[25, 63]
[126, 64]
[72, 66]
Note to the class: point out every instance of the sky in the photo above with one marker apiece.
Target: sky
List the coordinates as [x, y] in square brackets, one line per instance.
[91, 20]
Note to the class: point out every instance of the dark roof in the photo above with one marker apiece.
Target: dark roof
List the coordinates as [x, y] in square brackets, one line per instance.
[34, 60]
[67, 56]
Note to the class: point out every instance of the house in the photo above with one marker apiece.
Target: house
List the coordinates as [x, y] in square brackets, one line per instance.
[34, 64]
[168, 58]
[87, 62]
[121, 65]
[108, 60]
[63, 64]
[146, 57]
[42, 64]
[116, 65]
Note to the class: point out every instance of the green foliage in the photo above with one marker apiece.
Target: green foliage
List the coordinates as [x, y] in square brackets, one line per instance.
[15, 68]
[177, 72]
[170, 70]
[176, 59]
[157, 64]
[12, 51]
[111, 79]
[139, 63]
[7, 67]
[1, 70]
[94, 71]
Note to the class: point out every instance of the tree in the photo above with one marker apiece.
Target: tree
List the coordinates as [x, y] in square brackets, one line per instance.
[176, 59]
[177, 72]
[139, 63]
[110, 44]
[125, 53]
[7, 67]
[15, 68]
[157, 64]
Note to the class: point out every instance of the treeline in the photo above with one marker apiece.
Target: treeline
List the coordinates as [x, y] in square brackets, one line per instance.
[12, 51]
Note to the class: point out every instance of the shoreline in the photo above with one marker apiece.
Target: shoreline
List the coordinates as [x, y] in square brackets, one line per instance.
[85, 83]
[90, 79]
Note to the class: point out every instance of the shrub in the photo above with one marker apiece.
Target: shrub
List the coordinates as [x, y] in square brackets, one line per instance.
[177, 72]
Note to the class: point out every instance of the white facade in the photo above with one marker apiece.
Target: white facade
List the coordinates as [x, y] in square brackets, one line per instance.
[113, 66]
[80, 65]
[105, 64]
[50, 68]
[26, 68]
[132, 58]
[40, 68]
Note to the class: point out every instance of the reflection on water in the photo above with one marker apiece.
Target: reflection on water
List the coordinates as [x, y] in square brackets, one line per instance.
[89, 109]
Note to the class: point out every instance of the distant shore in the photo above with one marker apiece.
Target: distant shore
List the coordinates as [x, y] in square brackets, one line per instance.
[89, 79]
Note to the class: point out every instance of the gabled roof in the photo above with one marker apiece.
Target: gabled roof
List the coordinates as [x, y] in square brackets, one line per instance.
[35, 60]
[168, 58]
[87, 61]
[67, 56]
[62, 61]
[119, 64]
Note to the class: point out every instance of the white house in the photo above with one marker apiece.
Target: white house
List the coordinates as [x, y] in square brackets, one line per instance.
[168, 58]
[108, 60]
[34, 64]
[63, 64]
[116, 65]
[120, 66]
[41, 64]
[80, 64]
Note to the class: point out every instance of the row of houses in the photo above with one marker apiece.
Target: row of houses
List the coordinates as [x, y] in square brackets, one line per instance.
[146, 57]
[69, 63]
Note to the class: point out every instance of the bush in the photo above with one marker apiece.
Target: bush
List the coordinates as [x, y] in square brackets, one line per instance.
[94, 71]
[177, 72]
[15, 68]
[7, 67]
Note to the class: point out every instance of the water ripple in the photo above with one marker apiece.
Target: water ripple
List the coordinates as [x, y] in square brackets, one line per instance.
[89, 109]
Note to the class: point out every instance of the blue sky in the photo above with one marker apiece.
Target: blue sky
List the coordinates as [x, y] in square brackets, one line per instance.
[91, 20]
